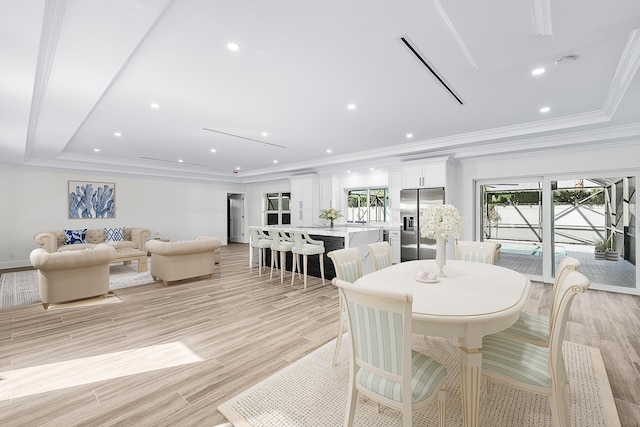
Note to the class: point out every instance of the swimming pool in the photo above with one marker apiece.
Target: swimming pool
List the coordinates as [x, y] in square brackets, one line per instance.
[529, 249]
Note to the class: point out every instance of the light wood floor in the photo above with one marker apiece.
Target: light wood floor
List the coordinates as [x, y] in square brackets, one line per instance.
[245, 328]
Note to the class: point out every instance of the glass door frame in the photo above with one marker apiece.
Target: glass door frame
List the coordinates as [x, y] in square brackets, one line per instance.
[549, 211]
[547, 208]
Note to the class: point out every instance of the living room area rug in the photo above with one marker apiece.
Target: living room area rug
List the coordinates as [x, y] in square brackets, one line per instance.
[313, 392]
[20, 288]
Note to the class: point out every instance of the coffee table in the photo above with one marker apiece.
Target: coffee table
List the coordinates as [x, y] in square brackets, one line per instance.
[126, 255]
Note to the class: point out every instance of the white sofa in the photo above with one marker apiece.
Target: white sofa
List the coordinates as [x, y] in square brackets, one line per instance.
[172, 261]
[56, 241]
[72, 275]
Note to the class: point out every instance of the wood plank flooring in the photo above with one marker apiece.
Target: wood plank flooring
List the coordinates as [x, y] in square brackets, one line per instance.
[245, 328]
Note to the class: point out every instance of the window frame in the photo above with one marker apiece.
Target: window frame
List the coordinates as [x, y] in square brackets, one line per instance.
[279, 211]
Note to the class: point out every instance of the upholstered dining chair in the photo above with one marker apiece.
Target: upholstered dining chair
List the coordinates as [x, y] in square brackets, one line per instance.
[534, 368]
[281, 244]
[380, 255]
[261, 242]
[348, 267]
[347, 263]
[484, 252]
[535, 328]
[383, 366]
[304, 245]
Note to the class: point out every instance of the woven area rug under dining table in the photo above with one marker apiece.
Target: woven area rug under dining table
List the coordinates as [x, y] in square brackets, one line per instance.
[312, 392]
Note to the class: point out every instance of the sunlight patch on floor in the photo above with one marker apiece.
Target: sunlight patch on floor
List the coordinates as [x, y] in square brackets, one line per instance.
[55, 376]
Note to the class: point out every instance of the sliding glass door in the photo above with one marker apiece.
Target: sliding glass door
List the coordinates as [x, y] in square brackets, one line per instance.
[512, 217]
[539, 221]
[595, 222]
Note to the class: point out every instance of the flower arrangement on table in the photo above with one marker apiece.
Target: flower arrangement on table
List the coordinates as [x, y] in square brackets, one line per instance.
[331, 214]
[440, 222]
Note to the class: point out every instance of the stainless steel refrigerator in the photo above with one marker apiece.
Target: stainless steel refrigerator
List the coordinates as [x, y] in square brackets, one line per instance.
[412, 203]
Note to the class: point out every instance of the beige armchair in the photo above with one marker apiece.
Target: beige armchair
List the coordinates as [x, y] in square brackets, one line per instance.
[172, 261]
[72, 275]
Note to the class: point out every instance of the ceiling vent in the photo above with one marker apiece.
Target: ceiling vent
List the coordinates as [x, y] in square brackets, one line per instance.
[243, 137]
[416, 52]
[565, 60]
[155, 159]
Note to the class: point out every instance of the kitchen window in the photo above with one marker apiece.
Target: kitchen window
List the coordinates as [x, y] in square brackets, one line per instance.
[278, 209]
[368, 205]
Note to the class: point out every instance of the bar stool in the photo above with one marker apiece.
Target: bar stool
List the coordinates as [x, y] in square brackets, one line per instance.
[305, 246]
[282, 245]
[259, 241]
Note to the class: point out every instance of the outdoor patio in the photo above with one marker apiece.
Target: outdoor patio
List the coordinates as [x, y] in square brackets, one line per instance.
[614, 273]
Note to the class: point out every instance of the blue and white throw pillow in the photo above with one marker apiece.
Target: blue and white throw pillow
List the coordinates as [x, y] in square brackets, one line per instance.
[114, 234]
[75, 236]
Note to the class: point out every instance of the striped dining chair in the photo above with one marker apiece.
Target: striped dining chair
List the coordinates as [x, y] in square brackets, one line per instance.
[348, 266]
[535, 368]
[485, 252]
[383, 366]
[380, 255]
[535, 328]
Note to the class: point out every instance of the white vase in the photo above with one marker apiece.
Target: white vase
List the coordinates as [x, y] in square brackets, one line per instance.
[441, 254]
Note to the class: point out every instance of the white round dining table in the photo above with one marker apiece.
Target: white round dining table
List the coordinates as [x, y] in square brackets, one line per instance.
[472, 300]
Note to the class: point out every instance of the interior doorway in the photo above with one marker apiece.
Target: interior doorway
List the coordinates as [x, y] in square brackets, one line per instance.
[235, 218]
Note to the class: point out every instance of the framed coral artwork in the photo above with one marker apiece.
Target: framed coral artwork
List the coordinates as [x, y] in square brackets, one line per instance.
[92, 200]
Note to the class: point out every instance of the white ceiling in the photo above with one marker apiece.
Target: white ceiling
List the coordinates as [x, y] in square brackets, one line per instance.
[74, 72]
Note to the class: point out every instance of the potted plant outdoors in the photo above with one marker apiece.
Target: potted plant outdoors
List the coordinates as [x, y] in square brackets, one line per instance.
[599, 250]
[610, 254]
[331, 214]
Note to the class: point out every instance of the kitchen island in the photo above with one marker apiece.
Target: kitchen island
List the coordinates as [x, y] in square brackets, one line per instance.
[333, 238]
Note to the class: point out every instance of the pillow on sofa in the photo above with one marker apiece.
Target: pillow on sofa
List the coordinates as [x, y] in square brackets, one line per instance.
[75, 236]
[114, 234]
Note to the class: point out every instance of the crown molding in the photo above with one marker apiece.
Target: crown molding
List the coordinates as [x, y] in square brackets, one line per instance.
[51, 26]
[625, 73]
[541, 17]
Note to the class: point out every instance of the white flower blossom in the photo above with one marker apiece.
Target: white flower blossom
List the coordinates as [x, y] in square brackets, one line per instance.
[440, 220]
[330, 214]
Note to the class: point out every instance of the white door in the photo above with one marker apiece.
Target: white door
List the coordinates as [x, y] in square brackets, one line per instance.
[236, 217]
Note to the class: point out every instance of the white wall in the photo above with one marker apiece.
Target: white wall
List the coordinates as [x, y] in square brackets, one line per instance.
[35, 200]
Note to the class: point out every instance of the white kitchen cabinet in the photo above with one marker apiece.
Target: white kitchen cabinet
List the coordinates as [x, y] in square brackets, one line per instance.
[304, 200]
[394, 241]
[430, 175]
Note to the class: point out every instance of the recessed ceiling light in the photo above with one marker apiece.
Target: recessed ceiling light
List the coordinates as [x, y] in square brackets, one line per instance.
[545, 109]
[329, 150]
[97, 150]
[348, 171]
[409, 135]
[370, 169]
[117, 134]
[155, 106]
[538, 71]
[264, 134]
[213, 150]
[238, 168]
[351, 106]
[275, 161]
[233, 47]
[180, 160]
